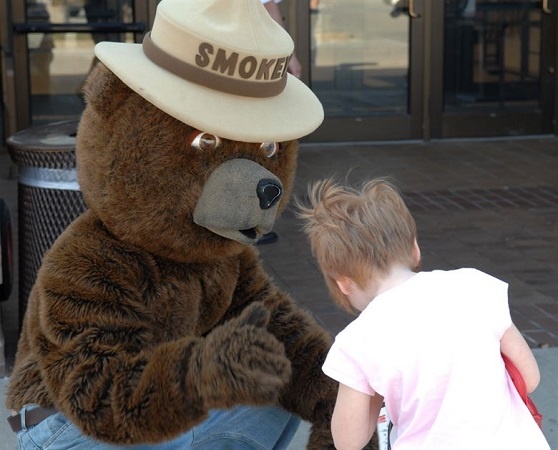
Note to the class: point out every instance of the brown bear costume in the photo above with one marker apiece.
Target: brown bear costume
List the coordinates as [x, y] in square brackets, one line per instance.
[152, 308]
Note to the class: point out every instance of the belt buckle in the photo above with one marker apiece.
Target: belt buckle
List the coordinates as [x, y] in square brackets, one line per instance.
[15, 422]
[18, 421]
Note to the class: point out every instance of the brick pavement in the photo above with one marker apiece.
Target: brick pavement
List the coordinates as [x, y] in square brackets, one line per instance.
[490, 204]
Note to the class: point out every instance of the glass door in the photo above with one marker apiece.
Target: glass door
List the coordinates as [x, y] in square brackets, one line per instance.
[366, 67]
[50, 53]
[424, 69]
[383, 69]
[498, 72]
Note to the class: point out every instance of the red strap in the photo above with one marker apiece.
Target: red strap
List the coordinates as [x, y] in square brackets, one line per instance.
[519, 383]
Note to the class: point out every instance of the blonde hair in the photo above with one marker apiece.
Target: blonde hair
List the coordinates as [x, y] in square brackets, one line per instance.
[357, 234]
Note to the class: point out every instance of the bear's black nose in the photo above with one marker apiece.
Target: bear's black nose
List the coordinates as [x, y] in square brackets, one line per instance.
[269, 193]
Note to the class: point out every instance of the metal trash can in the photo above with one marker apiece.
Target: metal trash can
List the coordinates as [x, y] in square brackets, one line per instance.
[49, 198]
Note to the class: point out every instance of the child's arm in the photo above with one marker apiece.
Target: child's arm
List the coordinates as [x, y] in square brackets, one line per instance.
[354, 418]
[514, 346]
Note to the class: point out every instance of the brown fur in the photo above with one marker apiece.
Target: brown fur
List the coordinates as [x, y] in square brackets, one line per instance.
[141, 321]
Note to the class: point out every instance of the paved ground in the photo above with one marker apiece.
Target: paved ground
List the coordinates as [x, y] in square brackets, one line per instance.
[490, 204]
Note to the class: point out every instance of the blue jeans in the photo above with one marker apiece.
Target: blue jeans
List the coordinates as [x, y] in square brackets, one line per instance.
[240, 428]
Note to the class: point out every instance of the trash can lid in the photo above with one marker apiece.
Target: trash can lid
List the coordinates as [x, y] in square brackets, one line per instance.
[58, 136]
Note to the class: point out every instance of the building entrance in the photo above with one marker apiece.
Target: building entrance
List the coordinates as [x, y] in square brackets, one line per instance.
[47, 51]
[498, 68]
[423, 69]
[383, 69]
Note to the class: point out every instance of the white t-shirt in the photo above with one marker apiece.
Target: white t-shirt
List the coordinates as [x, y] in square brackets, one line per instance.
[431, 347]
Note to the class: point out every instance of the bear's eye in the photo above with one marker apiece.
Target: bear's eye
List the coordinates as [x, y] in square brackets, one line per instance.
[269, 148]
[205, 141]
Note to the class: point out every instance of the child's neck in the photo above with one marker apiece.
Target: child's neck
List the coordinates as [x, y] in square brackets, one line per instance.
[396, 276]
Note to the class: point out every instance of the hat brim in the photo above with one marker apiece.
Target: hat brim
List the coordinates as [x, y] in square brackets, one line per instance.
[294, 113]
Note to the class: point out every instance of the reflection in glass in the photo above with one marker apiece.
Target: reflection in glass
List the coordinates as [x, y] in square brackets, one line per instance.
[103, 11]
[60, 62]
[359, 56]
[492, 55]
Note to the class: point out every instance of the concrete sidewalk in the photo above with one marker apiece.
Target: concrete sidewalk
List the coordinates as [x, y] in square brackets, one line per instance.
[545, 397]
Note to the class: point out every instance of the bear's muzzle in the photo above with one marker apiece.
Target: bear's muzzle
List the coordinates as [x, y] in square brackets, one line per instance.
[239, 201]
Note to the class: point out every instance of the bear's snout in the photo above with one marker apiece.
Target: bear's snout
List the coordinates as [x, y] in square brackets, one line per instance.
[239, 201]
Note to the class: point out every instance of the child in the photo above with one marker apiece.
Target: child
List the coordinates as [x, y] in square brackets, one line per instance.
[428, 343]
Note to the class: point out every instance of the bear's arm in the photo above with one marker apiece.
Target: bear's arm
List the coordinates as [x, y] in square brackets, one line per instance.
[310, 393]
[117, 349]
[93, 340]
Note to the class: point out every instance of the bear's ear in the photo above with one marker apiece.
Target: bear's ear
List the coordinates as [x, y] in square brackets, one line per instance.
[104, 91]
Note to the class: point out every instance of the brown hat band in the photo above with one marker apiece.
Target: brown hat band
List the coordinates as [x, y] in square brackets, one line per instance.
[274, 68]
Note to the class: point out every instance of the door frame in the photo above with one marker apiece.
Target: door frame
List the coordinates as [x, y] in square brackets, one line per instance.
[490, 123]
[427, 119]
[376, 128]
[15, 57]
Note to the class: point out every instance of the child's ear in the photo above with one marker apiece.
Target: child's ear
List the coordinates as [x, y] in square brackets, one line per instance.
[416, 256]
[345, 285]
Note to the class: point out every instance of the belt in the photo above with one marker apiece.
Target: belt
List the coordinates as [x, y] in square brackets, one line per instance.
[32, 417]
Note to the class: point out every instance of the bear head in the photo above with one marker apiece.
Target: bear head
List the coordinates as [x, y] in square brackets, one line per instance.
[187, 145]
[175, 191]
